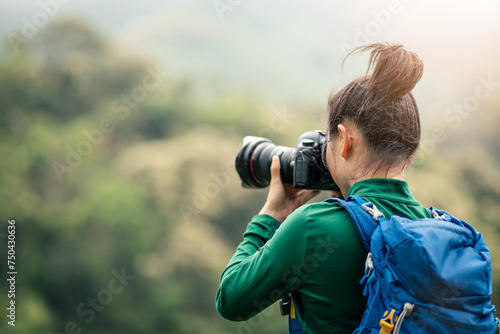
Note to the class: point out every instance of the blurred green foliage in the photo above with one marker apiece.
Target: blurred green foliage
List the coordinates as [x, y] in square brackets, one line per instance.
[157, 196]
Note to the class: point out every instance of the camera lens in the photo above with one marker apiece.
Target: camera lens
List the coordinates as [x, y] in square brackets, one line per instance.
[303, 167]
[254, 159]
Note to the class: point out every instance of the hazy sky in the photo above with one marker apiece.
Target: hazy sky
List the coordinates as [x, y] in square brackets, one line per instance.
[290, 49]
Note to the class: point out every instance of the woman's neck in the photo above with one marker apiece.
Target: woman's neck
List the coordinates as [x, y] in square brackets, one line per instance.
[396, 172]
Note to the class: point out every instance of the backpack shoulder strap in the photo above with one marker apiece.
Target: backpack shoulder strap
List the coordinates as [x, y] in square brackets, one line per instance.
[364, 215]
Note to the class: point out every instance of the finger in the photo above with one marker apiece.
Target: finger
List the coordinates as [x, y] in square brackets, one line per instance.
[305, 195]
[275, 168]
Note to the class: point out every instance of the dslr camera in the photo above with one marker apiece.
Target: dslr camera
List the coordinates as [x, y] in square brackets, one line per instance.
[303, 166]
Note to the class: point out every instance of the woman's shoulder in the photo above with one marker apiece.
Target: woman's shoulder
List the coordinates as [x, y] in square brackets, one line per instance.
[325, 221]
[318, 212]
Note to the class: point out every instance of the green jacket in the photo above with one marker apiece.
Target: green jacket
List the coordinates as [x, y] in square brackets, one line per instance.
[316, 254]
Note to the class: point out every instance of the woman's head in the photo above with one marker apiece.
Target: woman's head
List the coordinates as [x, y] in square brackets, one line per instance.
[380, 108]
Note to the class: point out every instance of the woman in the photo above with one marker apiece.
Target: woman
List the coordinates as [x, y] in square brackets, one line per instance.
[314, 251]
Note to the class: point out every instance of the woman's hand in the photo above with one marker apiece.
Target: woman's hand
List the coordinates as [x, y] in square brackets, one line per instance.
[283, 199]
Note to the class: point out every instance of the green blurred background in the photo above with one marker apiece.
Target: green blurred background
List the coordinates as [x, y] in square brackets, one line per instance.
[120, 122]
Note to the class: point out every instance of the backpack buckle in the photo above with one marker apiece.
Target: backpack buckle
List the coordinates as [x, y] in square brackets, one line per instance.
[369, 265]
[436, 214]
[285, 305]
[387, 323]
[368, 271]
[372, 210]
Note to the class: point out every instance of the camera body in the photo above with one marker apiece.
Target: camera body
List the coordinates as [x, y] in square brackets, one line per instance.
[303, 166]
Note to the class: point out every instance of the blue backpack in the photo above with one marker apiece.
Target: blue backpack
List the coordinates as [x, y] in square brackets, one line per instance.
[429, 275]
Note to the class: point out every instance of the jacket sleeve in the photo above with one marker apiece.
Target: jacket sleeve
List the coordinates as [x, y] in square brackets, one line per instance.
[267, 265]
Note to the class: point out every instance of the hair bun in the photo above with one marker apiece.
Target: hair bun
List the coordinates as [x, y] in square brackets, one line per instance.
[396, 70]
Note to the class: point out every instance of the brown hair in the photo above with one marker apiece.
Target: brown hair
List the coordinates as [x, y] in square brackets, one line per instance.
[381, 105]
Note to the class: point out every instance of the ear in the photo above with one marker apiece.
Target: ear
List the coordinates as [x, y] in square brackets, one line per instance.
[410, 160]
[346, 140]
